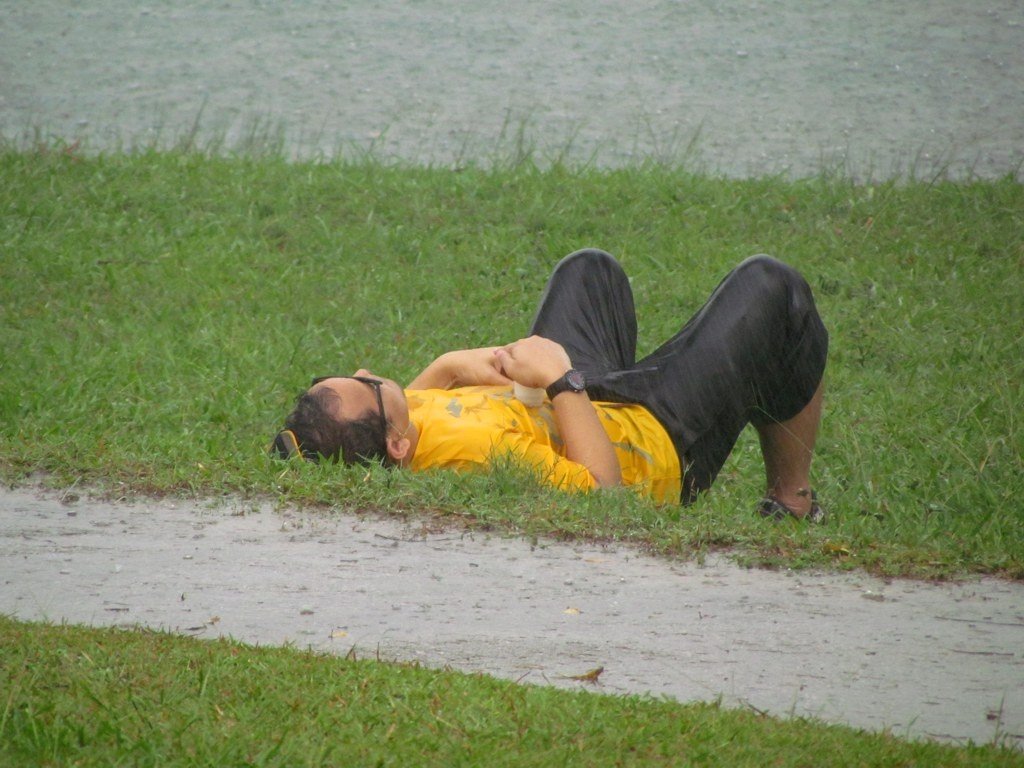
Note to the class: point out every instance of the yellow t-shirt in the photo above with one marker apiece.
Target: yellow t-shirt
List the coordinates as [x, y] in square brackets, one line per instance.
[470, 427]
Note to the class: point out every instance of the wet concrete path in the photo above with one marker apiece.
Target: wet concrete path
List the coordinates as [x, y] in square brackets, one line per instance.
[740, 87]
[924, 660]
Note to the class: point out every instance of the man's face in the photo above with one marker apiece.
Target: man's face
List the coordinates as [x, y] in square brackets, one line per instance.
[358, 397]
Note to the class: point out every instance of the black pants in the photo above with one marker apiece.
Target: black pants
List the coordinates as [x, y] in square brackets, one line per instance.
[754, 353]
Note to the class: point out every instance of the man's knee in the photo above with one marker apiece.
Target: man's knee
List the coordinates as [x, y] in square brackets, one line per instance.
[768, 270]
[783, 293]
[771, 277]
[588, 259]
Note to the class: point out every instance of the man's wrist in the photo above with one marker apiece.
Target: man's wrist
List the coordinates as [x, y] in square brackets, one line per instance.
[570, 381]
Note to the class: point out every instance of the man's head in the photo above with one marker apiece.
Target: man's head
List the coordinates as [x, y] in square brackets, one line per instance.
[360, 419]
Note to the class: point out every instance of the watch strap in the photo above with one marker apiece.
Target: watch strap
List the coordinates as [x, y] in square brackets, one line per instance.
[571, 381]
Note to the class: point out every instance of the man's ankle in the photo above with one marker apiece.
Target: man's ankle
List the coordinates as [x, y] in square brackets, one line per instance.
[798, 501]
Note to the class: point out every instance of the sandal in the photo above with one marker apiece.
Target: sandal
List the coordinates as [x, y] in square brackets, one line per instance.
[774, 509]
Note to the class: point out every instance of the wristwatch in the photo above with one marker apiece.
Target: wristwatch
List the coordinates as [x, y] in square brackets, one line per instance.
[571, 381]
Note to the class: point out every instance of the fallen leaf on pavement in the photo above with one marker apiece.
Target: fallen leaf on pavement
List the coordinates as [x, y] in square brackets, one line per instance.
[586, 677]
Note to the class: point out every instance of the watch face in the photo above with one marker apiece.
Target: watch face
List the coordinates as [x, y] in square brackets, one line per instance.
[575, 380]
[571, 381]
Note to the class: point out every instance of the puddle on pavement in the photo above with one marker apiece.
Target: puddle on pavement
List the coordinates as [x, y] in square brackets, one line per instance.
[928, 661]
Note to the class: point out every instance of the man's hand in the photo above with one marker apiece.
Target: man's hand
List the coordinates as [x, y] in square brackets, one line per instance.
[475, 367]
[534, 361]
[462, 368]
[540, 362]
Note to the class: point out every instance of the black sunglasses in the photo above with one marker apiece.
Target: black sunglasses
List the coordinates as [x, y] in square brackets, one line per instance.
[375, 385]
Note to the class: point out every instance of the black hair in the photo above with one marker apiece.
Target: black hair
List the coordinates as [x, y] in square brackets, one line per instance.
[321, 434]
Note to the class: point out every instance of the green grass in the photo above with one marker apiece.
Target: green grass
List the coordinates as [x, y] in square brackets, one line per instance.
[160, 311]
[92, 697]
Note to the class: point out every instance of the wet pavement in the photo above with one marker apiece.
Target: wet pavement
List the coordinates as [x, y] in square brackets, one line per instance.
[923, 660]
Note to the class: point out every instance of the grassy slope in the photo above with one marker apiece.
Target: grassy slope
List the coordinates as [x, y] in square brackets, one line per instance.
[159, 312]
[105, 697]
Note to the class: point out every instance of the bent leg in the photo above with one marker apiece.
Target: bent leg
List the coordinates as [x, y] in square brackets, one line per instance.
[755, 352]
[587, 307]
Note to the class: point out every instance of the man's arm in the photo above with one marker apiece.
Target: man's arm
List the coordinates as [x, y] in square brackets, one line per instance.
[462, 368]
[539, 362]
[585, 440]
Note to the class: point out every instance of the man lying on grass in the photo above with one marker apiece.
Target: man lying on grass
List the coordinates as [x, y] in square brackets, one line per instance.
[754, 353]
